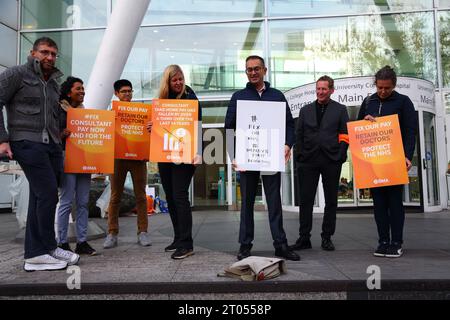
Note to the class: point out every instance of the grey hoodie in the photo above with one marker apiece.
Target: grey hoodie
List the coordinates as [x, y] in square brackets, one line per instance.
[32, 104]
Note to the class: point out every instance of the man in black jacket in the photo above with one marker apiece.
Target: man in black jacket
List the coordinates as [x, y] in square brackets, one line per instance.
[321, 149]
[259, 90]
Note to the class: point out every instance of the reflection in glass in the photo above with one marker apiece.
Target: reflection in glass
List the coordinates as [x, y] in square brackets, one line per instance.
[48, 14]
[212, 64]
[77, 50]
[322, 7]
[430, 158]
[210, 178]
[303, 50]
[286, 185]
[447, 102]
[444, 3]
[411, 191]
[444, 33]
[182, 11]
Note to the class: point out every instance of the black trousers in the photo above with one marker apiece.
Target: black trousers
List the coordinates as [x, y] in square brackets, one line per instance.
[175, 180]
[389, 213]
[43, 166]
[308, 176]
[249, 185]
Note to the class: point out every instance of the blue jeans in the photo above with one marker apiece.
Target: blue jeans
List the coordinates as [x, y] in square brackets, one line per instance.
[74, 186]
[42, 165]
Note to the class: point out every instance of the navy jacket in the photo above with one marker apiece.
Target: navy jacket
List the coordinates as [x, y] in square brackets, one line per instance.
[312, 138]
[396, 104]
[270, 94]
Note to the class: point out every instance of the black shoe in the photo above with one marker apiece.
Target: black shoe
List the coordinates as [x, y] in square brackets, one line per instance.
[394, 250]
[301, 243]
[65, 246]
[182, 253]
[170, 248]
[285, 252]
[85, 248]
[382, 249]
[327, 244]
[244, 252]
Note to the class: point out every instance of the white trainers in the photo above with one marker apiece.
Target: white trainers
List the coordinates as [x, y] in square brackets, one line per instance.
[64, 255]
[110, 241]
[44, 262]
[144, 239]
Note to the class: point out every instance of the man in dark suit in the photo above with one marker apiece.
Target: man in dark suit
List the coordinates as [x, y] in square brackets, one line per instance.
[259, 90]
[321, 143]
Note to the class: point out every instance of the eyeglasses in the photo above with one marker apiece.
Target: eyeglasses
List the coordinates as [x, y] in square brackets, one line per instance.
[256, 69]
[47, 53]
[126, 91]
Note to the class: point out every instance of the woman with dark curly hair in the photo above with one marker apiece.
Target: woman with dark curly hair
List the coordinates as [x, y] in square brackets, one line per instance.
[74, 186]
[388, 201]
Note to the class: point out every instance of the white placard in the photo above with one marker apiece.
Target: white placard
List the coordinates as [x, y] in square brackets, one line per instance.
[260, 135]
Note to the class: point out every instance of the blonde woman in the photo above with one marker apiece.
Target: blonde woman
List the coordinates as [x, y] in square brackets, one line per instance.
[176, 178]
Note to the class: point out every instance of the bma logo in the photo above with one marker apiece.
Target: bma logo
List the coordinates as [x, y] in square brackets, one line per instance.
[380, 181]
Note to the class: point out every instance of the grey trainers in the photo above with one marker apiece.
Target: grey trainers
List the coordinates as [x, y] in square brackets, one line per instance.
[44, 262]
[144, 239]
[67, 256]
[110, 241]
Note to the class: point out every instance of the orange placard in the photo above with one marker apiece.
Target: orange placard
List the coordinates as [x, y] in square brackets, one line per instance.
[90, 147]
[377, 152]
[132, 138]
[174, 131]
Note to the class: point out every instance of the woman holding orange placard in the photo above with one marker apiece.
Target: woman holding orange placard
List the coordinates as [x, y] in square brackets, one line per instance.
[388, 201]
[176, 178]
[74, 186]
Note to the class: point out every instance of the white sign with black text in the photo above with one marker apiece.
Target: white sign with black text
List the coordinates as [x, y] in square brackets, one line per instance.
[260, 135]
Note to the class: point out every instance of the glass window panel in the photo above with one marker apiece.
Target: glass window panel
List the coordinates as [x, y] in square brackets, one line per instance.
[8, 13]
[181, 11]
[303, 50]
[444, 31]
[77, 50]
[8, 54]
[323, 7]
[212, 64]
[444, 3]
[447, 104]
[49, 14]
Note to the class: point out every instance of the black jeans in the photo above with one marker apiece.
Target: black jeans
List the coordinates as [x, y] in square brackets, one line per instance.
[308, 176]
[249, 185]
[175, 180]
[43, 166]
[389, 213]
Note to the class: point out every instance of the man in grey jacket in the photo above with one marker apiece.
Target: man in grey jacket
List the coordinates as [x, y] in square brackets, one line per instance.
[30, 94]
